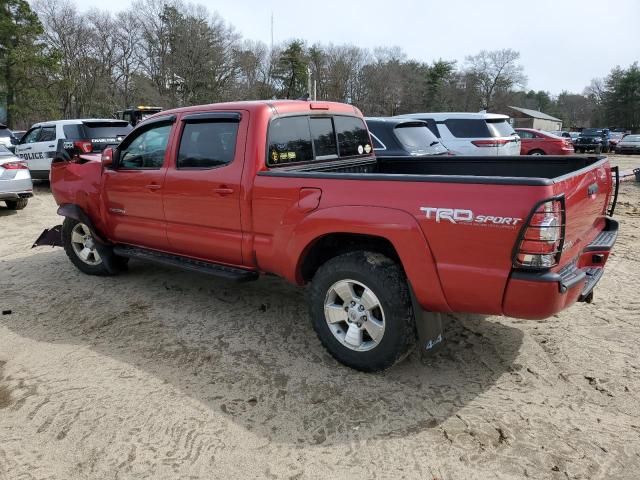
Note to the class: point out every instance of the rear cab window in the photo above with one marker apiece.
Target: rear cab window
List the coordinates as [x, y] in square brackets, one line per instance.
[307, 138]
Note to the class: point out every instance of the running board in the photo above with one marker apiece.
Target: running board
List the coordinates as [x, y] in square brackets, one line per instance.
[184, 263]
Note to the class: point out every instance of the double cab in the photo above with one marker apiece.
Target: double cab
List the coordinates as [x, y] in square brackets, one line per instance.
[385, 245]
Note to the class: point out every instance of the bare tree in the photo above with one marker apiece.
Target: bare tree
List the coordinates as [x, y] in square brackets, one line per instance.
[495, 70]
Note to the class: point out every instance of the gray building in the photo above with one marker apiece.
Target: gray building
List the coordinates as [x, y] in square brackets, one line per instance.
[527, 118]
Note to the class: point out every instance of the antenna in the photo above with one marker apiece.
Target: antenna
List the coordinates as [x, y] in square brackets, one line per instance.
[272, 31]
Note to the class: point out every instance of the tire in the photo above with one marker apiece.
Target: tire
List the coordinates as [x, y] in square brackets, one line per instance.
[536, 152]
[18, 204]
[98, 256]
[598, 150]
[394, 333]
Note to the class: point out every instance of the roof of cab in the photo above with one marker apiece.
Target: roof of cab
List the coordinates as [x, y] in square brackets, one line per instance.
[278, 107]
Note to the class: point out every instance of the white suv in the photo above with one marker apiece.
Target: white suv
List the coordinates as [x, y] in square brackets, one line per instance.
[39, 144]
[476, 134]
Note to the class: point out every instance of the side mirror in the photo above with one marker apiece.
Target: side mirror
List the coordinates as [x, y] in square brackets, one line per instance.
[107, 157]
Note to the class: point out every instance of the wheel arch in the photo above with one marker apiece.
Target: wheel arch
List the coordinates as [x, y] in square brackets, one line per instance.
[74, 211]
[329, 232]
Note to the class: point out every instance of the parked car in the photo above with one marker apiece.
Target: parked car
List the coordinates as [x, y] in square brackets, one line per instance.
[614, 138]
[474, 134]
[15, 182]
[18, 134]
[41, 142]
[592, 139]
[293, 188]
[7, 138]
[403, 137]
[537, 142]
[629, 144]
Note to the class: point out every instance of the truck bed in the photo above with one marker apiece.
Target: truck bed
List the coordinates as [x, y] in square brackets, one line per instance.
[517, 170]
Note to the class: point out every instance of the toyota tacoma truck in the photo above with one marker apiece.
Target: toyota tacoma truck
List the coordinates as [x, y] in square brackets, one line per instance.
[385, 245]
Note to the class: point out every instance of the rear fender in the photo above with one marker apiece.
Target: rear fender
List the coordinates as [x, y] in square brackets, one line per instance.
[396, 226]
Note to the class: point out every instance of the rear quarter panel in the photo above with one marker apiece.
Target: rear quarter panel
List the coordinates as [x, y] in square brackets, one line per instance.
[451, 266]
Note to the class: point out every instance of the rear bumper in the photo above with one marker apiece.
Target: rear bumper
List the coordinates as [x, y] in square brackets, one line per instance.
[15, 195]
[538, 295]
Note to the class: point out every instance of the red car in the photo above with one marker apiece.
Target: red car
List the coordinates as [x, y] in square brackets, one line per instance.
[536, 142]
[293, 188]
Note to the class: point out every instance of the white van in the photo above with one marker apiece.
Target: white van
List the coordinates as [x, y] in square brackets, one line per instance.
[476, 134]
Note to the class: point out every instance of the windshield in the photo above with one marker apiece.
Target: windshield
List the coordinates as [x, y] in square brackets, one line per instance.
[591, 132]
[631, 138]
[500, 128]
[418, 139]
[615, 135]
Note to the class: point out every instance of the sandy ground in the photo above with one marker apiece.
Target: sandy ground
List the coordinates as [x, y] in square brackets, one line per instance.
[163, 374]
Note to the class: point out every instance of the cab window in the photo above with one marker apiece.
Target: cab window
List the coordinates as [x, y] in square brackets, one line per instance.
[289, 141]
[207, 144]
[31, 136]
[353, 136]
[146, 151]
[47, 134]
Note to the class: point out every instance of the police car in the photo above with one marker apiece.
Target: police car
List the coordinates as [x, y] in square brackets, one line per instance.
[41, 142]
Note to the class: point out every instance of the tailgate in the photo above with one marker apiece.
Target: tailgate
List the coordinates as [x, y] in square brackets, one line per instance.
[587, 193]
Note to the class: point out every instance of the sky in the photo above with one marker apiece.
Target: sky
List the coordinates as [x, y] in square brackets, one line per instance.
[563, 43]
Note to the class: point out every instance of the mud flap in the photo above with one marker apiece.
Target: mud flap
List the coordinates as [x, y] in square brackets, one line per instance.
[50, 236]
[429, 327]
[430, 331]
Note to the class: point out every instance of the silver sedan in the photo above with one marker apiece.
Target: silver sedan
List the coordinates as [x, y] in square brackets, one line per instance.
[15, 180]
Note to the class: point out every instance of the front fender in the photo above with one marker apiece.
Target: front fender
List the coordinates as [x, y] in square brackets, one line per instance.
[396, 226]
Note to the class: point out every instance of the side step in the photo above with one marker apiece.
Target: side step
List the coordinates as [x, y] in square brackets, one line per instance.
[223, 271]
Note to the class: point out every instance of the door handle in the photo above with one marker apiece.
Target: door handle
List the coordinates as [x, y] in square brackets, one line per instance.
[223, 190]
[27, 148]
[153, 186]
[50, 146]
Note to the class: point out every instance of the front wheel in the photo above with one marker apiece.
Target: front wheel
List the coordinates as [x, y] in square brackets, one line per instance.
[361, 310]
[536, 152]
[84, 252]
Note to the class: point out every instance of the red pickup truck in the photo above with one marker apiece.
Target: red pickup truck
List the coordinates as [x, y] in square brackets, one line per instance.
[293, 188]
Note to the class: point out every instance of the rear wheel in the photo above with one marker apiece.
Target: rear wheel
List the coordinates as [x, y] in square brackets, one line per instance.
[536, 152]
[18, 204]
[83, 250]
[361, 310]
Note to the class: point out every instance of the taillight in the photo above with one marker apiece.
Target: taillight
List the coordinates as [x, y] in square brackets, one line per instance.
[14, 166]
[490, 143]
[83, 145]
[542, 237]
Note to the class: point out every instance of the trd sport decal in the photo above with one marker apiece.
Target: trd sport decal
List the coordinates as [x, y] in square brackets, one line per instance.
[463, 216]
